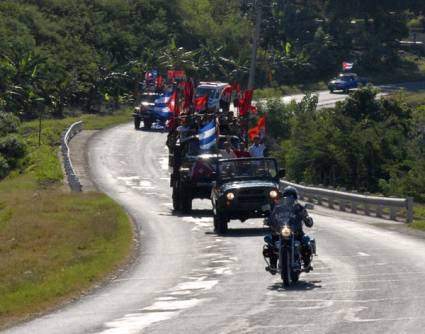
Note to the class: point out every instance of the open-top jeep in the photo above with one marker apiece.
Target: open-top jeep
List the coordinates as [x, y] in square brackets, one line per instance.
[244, 188]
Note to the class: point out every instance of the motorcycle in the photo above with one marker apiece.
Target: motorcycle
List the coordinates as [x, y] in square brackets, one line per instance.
[282, 245]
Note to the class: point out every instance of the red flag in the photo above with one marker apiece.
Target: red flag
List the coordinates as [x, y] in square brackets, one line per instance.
[188, 94]
[201, 102]
[245, 103]
[256, 130]
[236, 89]
[171, 104]
[159, 82]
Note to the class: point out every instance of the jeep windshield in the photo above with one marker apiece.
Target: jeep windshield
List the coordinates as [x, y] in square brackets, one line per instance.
[150, 98]
[247, 169]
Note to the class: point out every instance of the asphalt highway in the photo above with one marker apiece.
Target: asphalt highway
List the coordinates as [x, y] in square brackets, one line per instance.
[186, 279]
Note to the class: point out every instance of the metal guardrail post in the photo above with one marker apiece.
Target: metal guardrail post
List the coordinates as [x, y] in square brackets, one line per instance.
[393, 213]
[353, 207]
[330, 202]
[379, 211]
[409, 215]
[366, 208]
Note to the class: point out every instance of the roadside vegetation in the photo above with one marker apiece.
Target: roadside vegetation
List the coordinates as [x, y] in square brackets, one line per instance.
[365, 144]
[57, 55]
[54, 244]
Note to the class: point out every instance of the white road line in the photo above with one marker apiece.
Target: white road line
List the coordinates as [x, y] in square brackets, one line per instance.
[363, 254]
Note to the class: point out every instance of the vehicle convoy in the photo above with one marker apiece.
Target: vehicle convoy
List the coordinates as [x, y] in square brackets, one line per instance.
[345, 82]
[244, 188]
[193, 171]
[144, 111]
[288, 251]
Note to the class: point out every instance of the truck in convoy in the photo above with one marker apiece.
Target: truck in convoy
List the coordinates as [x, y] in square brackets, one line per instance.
[193, 171]
[346, 81]
[219, 95]
[144, 111]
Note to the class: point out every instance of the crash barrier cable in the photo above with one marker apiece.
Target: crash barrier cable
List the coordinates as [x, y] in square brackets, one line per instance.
[382, 207]
[73, 181]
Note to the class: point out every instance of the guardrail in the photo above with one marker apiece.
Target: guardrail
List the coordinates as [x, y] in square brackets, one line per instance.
[73, 181]
[381, 207]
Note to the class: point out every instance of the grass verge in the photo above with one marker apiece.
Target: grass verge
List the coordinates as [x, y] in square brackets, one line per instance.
[419, 211]
[418, 225]
[265, 93]
[411, 68]
[414, 99]
[55, 244]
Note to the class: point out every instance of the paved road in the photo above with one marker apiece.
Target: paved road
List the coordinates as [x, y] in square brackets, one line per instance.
[328, 100]
[188, 280]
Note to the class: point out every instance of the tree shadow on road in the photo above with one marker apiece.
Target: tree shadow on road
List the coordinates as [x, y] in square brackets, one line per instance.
[151, 130]
[246, 232]
[195, 213]
[299, 286]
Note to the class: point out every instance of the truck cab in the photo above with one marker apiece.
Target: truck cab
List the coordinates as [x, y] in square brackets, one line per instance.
[345, 82]
[144, 111]
[219, 94]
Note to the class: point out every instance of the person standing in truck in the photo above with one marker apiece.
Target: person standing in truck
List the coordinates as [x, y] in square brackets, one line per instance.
[256, 150]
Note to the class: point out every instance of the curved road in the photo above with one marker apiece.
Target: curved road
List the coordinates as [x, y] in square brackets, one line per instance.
[186, 279]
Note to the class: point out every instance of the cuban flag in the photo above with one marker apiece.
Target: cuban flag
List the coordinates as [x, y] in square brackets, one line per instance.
[207, 136]
[165, 105]
[347, 66]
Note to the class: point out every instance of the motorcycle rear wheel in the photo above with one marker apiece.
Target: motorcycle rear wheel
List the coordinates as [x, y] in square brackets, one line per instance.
[295, 276]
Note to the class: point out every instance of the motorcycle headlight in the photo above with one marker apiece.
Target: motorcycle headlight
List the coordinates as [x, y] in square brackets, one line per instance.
[230, 196]
[273, 194]
[285, 232]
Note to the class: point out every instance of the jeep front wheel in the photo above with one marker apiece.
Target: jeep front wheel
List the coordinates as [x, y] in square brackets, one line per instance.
[136, 123]
[185, 200]
[147, 123]
[176, 198]
[220, 224]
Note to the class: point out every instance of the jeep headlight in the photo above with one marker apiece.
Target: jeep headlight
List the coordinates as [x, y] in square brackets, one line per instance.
[230, 196]
[273, 194]
[285, 231]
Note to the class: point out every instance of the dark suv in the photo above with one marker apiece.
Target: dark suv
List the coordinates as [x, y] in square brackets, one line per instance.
[144, 111]
[244, 188]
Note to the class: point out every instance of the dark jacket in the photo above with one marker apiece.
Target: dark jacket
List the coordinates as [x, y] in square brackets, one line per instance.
[289, 209]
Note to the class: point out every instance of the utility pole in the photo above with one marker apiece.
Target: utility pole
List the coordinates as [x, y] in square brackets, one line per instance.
[256, 38]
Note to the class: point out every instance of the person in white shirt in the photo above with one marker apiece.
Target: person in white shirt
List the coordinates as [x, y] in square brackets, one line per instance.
[257, 149]
[227, 152]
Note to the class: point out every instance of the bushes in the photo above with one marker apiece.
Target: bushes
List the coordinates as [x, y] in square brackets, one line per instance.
[368, 144]
[12, 147]
[8, 123]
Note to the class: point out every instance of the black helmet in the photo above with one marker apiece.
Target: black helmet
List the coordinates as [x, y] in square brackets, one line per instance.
[290, 191]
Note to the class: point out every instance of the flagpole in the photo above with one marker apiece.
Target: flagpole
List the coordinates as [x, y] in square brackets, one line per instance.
[256, 38]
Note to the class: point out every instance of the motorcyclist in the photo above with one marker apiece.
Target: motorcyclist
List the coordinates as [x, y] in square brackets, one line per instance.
[301, 216]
